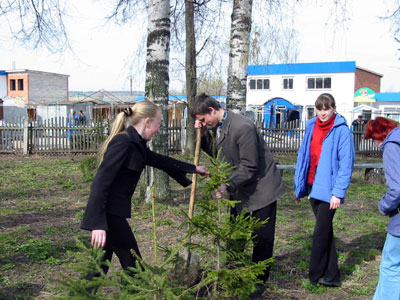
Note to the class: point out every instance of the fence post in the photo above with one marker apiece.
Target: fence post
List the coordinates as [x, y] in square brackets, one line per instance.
[183, 132]
[26, 138]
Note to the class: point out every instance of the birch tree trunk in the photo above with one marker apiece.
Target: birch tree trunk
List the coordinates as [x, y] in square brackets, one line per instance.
[191, 76]
[157, 83]
[239, 45]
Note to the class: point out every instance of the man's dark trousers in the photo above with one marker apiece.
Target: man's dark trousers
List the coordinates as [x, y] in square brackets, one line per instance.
[264, 236]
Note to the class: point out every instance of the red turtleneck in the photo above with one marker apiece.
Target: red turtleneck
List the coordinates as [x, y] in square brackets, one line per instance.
[321, 130]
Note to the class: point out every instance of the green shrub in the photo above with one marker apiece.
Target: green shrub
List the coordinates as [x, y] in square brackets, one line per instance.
[88, 167]
[36, 249]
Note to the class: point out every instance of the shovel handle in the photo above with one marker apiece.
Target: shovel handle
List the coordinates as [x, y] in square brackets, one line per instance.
[194, 176]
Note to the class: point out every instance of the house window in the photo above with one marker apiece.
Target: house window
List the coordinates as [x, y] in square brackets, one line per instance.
[259, 84]
[31, 114]
[310, 113]
[367, 114]
[288, 83]
[392, 113]
[12, 85]
[266, 84]
[20, 84]
[318, 83]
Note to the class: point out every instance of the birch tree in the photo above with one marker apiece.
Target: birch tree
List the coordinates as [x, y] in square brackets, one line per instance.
[157, 83]
[239, 46]
[190, 69]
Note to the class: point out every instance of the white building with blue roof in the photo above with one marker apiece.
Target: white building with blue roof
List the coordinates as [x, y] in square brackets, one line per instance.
[272, 87]
[384, 105]
[3, 84]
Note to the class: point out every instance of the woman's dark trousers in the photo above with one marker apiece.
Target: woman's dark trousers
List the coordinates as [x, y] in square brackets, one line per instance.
[119, 240]
[323, 261]
[264, 236]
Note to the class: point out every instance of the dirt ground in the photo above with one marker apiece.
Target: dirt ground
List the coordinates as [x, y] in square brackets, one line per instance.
[42, 201]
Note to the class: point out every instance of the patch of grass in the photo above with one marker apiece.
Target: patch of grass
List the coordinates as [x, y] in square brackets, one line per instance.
[36, 249]
[8, 211]
[314, 289]
[88, 167]
[43, 200]
[164, 222]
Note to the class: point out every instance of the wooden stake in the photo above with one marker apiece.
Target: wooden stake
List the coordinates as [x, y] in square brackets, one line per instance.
[188, 254]
[194, 176]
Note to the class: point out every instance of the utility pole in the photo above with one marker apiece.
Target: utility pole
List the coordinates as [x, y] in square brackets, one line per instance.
[130, 80]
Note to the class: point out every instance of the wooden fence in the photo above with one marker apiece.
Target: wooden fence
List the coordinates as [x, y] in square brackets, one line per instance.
[56, 137]
[288, 139]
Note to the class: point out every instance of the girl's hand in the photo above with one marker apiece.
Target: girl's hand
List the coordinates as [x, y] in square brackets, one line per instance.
[335, 202]
[98, 238]
[202, 170]
[297, 198]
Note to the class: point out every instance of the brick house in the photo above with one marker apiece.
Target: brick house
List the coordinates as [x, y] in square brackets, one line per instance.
[37, 87]
[23, 90]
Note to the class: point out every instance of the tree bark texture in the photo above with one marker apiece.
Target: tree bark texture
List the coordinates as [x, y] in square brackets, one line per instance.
[191, 75]
[157, 83]
[239, 45]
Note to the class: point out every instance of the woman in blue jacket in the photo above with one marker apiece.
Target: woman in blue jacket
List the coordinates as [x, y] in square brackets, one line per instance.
[323, 173]
[386, 136]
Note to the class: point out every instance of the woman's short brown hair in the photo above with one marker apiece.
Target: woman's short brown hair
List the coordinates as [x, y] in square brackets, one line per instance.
[379, 128]
[325, 101]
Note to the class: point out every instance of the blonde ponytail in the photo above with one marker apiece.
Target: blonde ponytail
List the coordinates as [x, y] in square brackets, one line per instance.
[129, 117]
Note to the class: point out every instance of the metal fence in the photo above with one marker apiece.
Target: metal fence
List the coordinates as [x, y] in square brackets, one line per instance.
[54, 136]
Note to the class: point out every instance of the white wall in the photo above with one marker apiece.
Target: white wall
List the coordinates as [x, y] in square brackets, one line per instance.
[45, 88]
[342, 89]
[49, 112]
[3, 86]
[13, 110]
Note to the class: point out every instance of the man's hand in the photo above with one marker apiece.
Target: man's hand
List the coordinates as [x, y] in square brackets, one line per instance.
[335, 202]
[220, 192]
[197, 124]
[202, 170]
[98, 238]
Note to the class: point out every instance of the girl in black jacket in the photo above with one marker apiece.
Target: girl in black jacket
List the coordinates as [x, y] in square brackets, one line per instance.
[123, 156]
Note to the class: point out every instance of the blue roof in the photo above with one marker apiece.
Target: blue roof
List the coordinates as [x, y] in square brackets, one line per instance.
[2, 72]
[304, 68]
[179, 97]
[387, 96]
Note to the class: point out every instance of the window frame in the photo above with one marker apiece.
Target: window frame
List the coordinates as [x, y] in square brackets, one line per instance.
[289, 78]
[309, 109]
[13, 85]
[262, 80]
[20, 84]
[323, 81]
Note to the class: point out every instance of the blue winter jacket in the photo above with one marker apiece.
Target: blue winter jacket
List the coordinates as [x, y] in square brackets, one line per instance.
[391, 162]
[335, 164]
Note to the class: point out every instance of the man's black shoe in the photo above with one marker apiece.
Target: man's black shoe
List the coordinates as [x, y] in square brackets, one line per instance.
[260, 288]
[331, 283]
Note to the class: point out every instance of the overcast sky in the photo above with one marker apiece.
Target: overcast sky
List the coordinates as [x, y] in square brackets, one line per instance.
[101, 53]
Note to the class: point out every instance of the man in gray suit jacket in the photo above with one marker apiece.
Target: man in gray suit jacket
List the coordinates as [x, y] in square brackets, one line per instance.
[255, 180]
